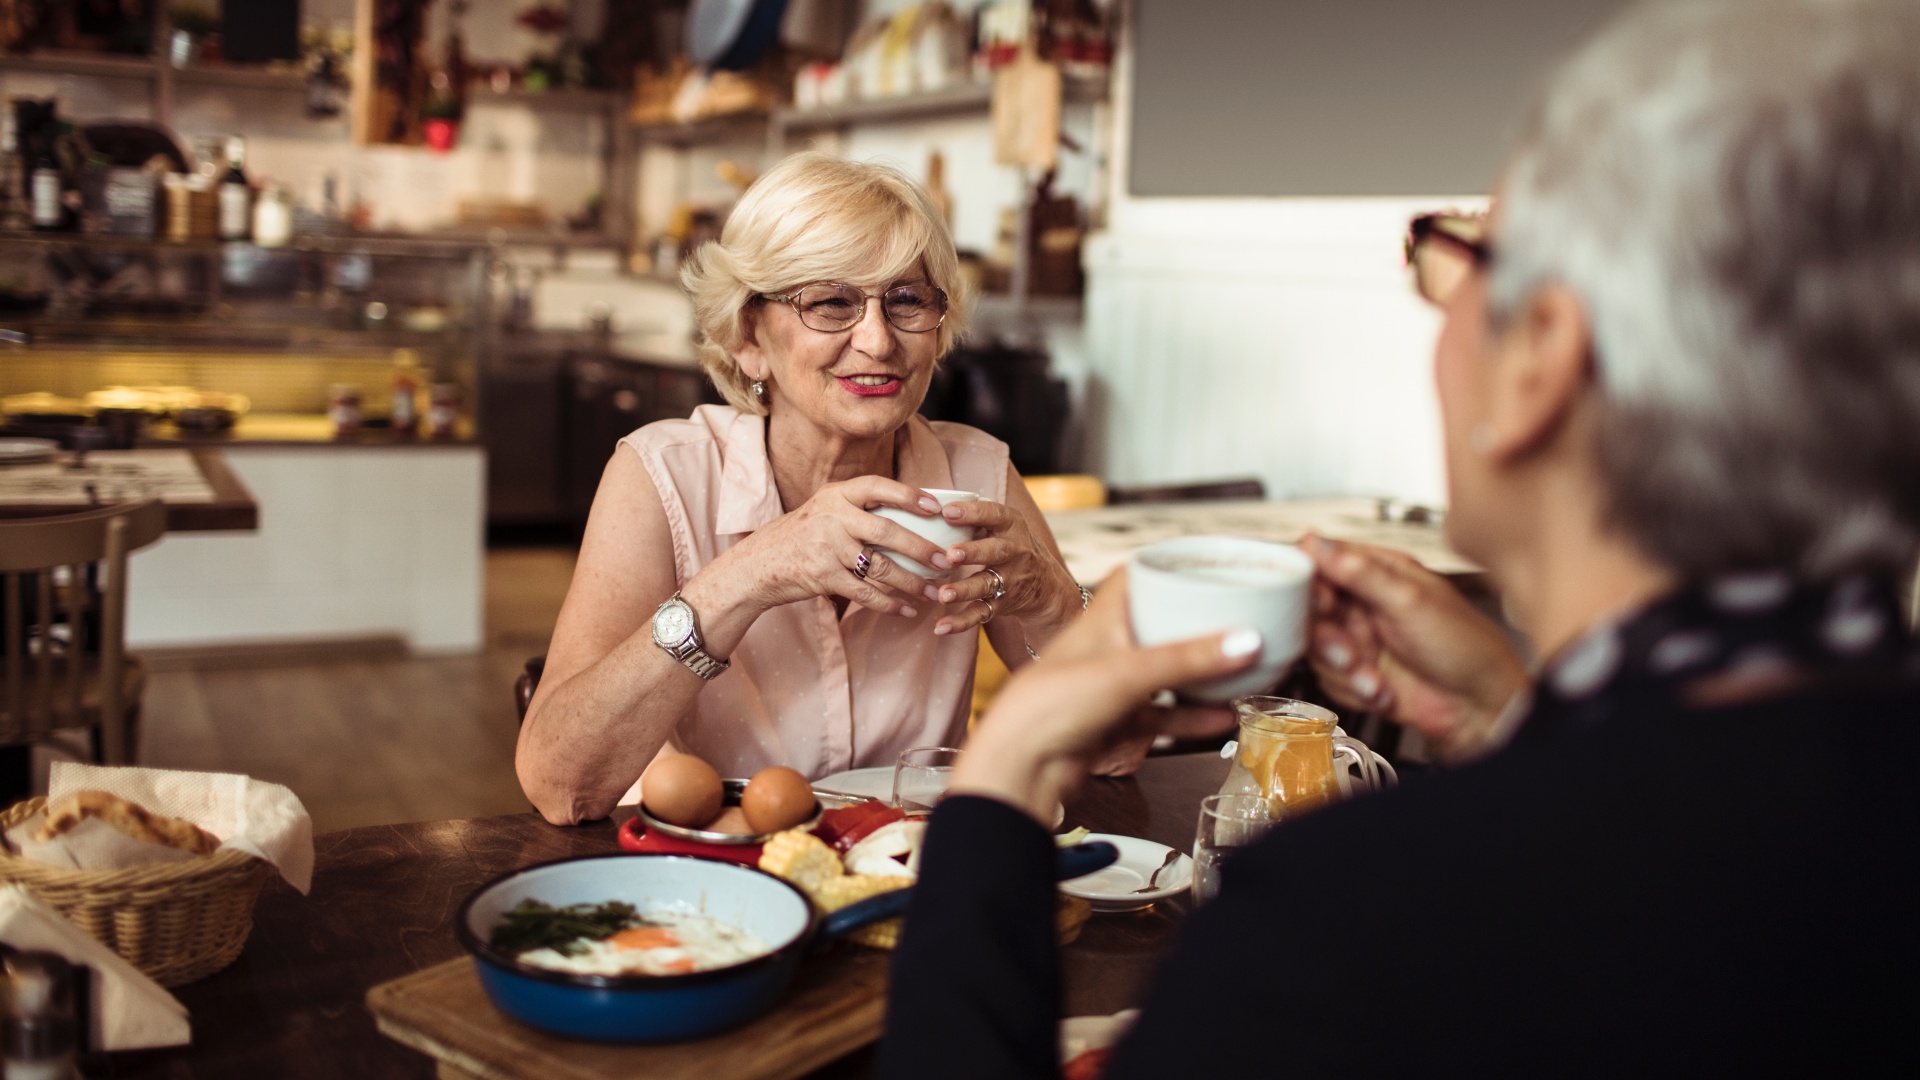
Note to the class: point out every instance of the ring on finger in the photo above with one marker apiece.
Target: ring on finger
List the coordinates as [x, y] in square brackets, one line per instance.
[863, 562]
[999, 584]
[989, 617]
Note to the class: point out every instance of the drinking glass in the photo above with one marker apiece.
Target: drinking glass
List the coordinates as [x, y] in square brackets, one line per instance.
[1227, 824]
[921, 776]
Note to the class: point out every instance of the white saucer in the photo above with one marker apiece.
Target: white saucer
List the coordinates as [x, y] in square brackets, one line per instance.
[874, 783]
[1112, 889]
[877, 783]
[27, 451]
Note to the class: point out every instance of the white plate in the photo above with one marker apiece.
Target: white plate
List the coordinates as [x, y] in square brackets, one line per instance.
[877, 783]
[1112, 889]
[27, 451]
[1079, 1034]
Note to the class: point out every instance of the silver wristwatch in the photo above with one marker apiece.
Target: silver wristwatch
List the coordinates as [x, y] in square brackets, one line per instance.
[677, 630]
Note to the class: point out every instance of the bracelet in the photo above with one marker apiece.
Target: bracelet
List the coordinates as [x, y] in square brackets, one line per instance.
[1086, 600]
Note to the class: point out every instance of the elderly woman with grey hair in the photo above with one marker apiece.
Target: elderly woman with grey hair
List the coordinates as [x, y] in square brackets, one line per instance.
[1680, 384]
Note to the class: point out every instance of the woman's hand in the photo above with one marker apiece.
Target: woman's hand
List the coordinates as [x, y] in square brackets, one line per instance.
[1083, 700]
[1037, 583]
[814, 550]
[1391, 636]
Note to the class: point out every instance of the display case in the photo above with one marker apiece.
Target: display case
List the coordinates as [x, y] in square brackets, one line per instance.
[287, 337]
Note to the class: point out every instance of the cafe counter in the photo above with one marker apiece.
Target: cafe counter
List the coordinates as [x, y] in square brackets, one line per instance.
[357, 540]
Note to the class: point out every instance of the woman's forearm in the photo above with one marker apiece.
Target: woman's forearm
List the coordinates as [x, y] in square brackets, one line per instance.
[594, 732]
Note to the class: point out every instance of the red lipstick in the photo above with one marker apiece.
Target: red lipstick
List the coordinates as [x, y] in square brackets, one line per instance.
[886, 389]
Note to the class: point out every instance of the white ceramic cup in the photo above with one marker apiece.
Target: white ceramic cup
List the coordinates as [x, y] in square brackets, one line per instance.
[1198, 585]
[937, 529]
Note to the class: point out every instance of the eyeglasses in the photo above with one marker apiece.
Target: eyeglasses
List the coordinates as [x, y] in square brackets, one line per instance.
[830, 307]
[1442, 249]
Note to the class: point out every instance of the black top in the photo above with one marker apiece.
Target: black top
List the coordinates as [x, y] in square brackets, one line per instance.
[1648, 881]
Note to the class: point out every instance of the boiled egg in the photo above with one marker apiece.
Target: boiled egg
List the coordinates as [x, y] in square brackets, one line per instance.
[777, 798]
[682, 790]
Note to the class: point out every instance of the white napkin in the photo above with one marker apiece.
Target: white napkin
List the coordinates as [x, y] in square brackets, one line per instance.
[261, 819]
[130, 1011]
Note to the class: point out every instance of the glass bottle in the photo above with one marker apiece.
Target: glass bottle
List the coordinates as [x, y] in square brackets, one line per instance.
[236, 195]
[47, 187]
[273, 218]
[39, 1037]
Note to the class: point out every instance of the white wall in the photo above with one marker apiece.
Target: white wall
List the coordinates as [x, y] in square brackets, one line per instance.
[1273, 338]
[1276, 338]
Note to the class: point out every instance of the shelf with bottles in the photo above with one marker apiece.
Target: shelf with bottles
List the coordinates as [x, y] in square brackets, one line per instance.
[961, 99]
[107, 65]
[557, 99]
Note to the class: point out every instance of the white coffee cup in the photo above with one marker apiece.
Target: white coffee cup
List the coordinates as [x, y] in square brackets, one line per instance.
[1198, 585]
[937, 529]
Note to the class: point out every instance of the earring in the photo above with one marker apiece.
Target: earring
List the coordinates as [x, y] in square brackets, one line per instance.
[759, 389]
[1483, 438]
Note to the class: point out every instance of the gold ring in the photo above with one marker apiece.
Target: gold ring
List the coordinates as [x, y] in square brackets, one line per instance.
[999, 584]
[989, 617]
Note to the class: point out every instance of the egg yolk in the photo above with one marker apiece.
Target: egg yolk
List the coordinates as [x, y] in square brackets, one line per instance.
[645, 937]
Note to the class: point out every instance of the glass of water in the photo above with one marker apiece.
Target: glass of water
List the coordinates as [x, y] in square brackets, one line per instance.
[1227, 824]
[921, 776]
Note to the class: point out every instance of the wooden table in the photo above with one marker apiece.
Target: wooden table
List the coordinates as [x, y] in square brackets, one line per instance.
[383, 902]
[199, 490]
[1097, 541]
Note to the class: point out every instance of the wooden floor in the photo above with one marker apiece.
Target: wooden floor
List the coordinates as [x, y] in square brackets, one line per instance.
[372, 741]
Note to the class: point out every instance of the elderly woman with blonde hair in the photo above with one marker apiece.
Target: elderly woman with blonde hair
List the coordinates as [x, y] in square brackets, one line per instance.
[731, 598]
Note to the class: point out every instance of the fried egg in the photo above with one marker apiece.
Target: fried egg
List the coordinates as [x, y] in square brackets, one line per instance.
[670, 943]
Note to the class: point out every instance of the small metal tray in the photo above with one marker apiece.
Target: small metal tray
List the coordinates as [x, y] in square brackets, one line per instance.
[730, 792]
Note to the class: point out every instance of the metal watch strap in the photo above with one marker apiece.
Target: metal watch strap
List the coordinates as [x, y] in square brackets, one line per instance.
[698, 661]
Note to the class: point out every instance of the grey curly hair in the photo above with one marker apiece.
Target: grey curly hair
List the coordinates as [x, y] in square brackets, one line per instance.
[1732, 187]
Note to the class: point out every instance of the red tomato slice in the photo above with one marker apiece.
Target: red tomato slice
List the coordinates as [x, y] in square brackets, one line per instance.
[846, 826]
[1087, 1066]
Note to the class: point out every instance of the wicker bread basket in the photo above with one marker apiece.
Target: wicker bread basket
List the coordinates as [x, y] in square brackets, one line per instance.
[176, 921]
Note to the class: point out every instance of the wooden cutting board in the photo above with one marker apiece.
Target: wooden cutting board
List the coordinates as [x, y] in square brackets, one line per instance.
[835, 1006]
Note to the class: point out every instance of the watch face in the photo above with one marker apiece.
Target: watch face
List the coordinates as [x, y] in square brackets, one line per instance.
[672, 624]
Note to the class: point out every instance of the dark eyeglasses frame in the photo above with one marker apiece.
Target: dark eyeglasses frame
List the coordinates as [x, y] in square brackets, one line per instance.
[1442, 226]
[791, 298]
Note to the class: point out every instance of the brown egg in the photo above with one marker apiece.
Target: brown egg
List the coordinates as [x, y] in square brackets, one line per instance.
[777, 798]
[681, 789]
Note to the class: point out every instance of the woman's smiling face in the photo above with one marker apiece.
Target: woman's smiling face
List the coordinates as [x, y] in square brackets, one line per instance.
[860, 383]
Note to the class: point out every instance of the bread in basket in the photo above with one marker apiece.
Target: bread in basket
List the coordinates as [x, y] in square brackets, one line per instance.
[177, 921]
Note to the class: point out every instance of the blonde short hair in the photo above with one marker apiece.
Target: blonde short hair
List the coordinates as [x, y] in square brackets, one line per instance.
[815, 217]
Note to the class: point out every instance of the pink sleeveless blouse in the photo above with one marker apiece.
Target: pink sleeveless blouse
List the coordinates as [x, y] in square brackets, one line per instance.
[809, 689]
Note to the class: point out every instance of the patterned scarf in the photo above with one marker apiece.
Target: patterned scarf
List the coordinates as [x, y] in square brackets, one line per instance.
[1754, 631]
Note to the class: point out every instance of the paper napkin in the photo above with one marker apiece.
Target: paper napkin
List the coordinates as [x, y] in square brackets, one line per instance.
[130, 1011]
[266, 820]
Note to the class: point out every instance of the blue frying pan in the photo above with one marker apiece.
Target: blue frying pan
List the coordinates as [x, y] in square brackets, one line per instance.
[664, 1008]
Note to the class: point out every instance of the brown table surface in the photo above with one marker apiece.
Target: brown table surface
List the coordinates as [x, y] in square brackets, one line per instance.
[383, 902]
[232, 508]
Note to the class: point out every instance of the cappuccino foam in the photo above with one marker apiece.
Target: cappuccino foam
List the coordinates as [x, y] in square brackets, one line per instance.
[1240, 572]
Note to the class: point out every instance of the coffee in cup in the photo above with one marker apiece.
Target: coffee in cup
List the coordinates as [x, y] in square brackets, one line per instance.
[1199, 585]
[937, 529]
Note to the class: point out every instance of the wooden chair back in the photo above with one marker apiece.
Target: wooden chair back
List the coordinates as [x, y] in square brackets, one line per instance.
[50, 568]
[1066, 491]
[1249, 488]
[527, 683]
